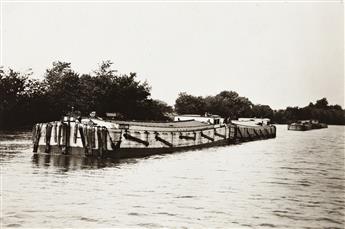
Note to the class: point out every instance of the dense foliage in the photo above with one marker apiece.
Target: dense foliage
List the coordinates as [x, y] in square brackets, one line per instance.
[226, 104]
[24, 101]
[230, 104]
[330, 114]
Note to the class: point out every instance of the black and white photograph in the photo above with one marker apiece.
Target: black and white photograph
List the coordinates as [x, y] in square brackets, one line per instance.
[172, 114]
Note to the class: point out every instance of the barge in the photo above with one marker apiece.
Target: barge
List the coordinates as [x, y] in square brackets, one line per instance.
[304, 125]
[127, 139]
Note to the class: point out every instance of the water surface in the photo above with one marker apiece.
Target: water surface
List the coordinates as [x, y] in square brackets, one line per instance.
[294, 181]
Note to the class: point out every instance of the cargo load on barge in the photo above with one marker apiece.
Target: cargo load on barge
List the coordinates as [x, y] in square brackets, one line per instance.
[127, 139]
[304, 125]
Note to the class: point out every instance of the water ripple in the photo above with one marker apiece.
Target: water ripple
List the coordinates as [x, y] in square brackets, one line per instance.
[294, 181]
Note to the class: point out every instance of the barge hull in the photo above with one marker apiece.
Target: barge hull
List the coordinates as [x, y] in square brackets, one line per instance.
[84, 140]
[123, 153]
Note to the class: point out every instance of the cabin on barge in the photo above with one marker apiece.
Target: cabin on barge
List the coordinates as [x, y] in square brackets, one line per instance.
[127, 139]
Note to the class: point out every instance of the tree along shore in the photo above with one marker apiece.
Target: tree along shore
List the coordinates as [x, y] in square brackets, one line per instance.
[230, 104]
[25, 101]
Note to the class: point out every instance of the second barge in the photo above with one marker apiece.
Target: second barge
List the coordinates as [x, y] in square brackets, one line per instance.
[304, 125]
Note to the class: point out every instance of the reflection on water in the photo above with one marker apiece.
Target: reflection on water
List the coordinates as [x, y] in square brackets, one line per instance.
[66, 163]
[296, 180]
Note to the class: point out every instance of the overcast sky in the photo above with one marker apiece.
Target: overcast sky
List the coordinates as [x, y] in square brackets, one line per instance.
[280, 54]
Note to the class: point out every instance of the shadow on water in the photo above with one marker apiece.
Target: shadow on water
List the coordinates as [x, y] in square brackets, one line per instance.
[70, 162]
[66, 162]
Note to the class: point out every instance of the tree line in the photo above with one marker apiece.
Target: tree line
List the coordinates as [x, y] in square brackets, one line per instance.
[230, 104]
[24, 101]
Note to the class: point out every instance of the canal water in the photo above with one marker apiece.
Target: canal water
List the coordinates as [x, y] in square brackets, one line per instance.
[294, 181]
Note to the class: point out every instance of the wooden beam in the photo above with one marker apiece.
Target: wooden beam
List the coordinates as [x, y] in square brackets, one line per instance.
[250, 136]
[239, 131]
[219, 135]
[163, 140]
[206, 136]
[256, 133]
[135, 139]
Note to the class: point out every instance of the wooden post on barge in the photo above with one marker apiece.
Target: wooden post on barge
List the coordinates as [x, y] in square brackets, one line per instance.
[75, 133]
[90, 139]
[55, 132]
[48, 136]
[99, 141]
[262, 134]
[66, 128]
[275, 131]
[256, 134]
[240, 134]
[232, 129]
[36, 136]
[249, 135]
[82, 137]
[59, 133]
[236, 136]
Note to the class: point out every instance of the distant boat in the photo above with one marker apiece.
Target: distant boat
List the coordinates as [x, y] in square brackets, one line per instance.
[125, 139]
[303, 125]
